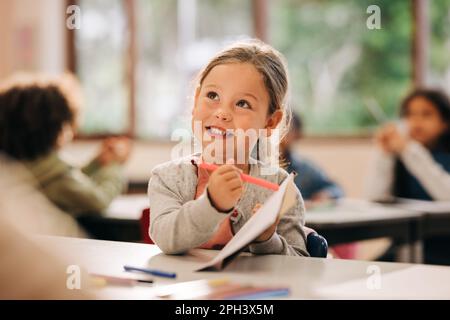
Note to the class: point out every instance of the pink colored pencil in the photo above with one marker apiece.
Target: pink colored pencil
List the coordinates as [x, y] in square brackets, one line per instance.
[245, 177]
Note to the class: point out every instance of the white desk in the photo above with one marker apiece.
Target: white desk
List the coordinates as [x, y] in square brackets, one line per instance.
[307, 278]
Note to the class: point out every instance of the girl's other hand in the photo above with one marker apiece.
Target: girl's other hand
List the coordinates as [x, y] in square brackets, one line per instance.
[267, 234]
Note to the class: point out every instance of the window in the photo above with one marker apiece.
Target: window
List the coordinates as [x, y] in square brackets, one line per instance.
[345, 78]
[440, 44]
[175, 39]
[100, 46]
[343, 75]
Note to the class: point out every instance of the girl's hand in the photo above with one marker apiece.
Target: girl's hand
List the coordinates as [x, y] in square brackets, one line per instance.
[267, 234]
[397, 142]
[382, 137]
[225, 187]
[390, 139]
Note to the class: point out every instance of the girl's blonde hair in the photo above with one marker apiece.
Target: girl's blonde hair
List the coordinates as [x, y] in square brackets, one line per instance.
[270, 64]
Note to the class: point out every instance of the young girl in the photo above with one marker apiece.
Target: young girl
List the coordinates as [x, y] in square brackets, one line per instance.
[413, 161]
[242, 88]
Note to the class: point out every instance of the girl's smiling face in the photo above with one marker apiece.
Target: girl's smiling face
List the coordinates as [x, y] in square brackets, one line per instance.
[232, 96]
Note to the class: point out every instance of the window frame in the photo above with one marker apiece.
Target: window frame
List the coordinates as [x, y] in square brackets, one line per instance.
[419, 58]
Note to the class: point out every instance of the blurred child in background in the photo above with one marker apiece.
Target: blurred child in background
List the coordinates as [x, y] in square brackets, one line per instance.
[315, 186]
[413, 159]
[24, 213]
[38, 116]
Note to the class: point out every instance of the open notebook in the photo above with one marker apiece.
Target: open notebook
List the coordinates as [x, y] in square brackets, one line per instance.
[276, 205]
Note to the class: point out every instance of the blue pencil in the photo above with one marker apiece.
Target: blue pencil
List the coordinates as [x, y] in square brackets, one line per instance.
[261, 295]
[153, 272]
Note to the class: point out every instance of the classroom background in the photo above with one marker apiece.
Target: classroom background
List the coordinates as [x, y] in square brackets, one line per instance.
[136, 59]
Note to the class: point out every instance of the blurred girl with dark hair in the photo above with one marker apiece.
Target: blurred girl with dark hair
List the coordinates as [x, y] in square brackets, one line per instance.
[413, 159]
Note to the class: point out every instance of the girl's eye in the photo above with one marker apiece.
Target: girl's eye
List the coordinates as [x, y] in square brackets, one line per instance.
[212, 95]
[243, 104]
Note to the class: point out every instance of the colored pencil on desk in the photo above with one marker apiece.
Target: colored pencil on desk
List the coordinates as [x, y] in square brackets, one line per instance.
[153, 272]
[101, 279]
[263, 294]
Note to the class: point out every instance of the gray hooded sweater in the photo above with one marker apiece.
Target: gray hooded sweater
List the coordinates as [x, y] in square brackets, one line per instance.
[179, 223]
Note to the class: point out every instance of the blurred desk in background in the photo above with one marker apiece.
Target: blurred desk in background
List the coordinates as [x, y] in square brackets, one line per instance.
[436, 215]
[121, 221]
[351, 220]
[137, 186]
[435, 228]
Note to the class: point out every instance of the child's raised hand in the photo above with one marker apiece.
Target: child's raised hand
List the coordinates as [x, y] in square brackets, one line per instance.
[225, 187]
[267, 234]
[382, 137]
[121, 147]
[397, 141]
[115, 149]
[390, 139]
